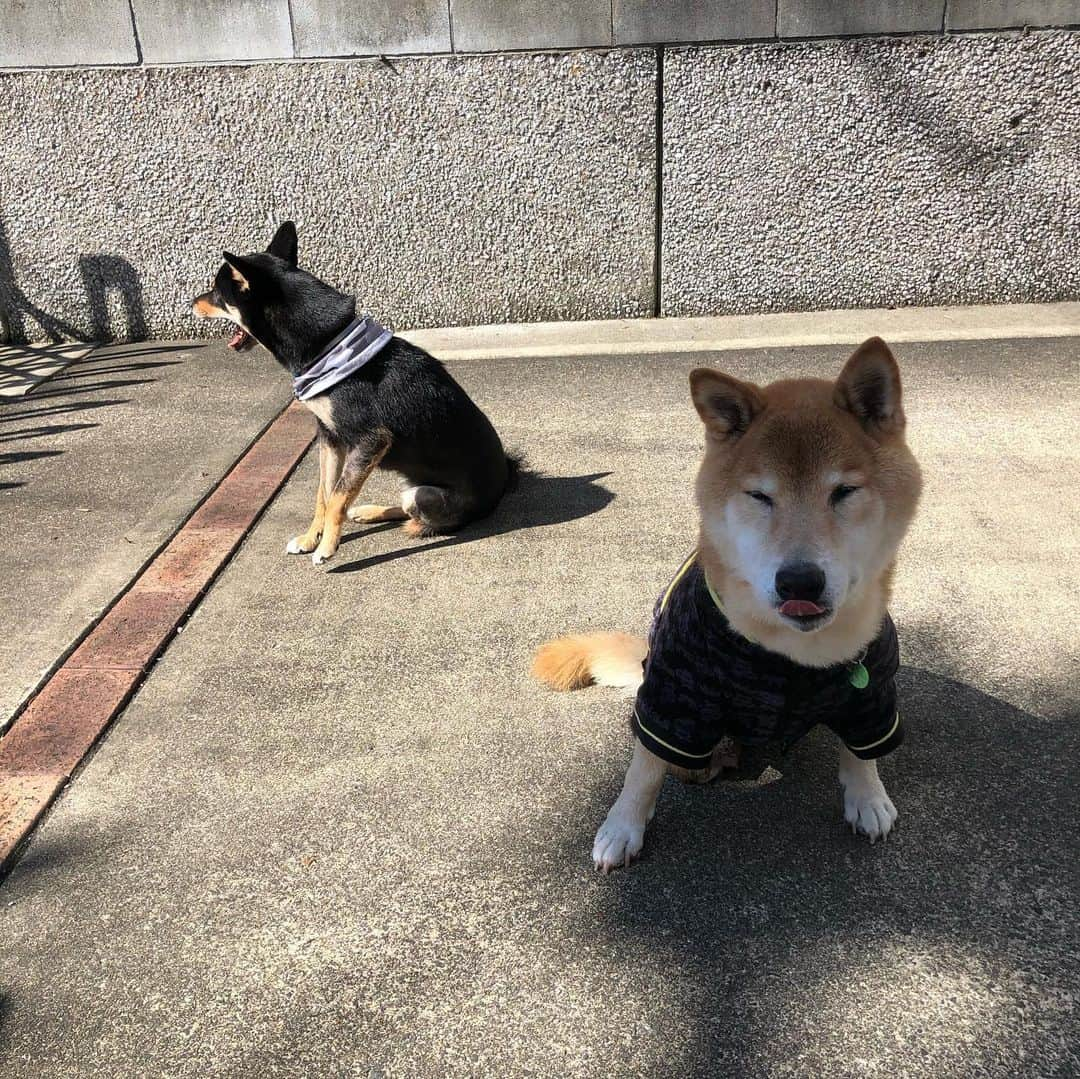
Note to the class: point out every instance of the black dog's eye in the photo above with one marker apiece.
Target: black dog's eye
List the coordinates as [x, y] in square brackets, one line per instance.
[838, 495]
[760, 496]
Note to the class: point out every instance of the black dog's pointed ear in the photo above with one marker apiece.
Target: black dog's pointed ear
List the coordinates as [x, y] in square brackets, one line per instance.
[284, 243]
[242, 270]
[869, 388]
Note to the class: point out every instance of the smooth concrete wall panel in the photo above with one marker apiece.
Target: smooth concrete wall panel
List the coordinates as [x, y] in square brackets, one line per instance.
[64, 32]
[869, 173]
[442, 191]
[636, 21]
[492, 25]
[359, 27]
[831, 18]
[992, 14]
[183, 31]
[72, 33]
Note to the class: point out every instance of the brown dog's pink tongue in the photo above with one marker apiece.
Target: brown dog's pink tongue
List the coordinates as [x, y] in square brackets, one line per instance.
[800, 608]
[237, 339]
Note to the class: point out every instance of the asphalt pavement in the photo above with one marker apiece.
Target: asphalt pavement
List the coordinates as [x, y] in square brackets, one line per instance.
[98, 467]
[339, 831]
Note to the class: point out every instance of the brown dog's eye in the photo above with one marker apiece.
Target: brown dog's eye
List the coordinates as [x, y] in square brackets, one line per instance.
[760, 496]
[838, 495]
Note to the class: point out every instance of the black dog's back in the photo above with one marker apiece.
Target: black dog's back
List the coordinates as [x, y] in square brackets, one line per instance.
[439, 436]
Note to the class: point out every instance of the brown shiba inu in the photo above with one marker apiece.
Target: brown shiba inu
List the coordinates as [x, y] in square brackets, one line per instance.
[778, 621]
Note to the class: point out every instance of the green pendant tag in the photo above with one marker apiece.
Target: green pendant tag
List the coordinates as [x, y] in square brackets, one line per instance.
[860, 676]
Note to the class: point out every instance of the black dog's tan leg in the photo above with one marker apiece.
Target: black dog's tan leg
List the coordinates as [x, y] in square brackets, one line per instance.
[330, 464]
[359, 462]
[622, 834]
[369, 514]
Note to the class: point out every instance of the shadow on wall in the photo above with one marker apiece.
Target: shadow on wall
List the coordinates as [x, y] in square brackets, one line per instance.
[964, 138]
[76, 394]
[100, 274]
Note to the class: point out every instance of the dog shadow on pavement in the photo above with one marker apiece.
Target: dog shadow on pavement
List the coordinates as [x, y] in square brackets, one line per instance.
[774, 941]
[534, 500]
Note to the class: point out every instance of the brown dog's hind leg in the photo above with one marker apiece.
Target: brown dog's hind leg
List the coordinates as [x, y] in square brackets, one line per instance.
[359, 462]
[724, 758]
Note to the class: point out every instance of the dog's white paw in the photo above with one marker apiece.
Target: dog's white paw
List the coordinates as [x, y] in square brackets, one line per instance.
[319, 556]
[618, 843]
[869, 810]
[294, 546]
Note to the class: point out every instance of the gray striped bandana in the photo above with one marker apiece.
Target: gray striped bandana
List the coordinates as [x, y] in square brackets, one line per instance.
[348, 352]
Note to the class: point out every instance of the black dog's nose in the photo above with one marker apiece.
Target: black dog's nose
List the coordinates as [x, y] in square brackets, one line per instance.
[800, 580]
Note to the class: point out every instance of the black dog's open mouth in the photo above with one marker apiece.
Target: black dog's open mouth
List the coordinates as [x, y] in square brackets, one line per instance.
[241, 341]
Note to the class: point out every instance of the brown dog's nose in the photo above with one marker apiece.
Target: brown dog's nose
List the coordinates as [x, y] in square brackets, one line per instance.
[800, 580]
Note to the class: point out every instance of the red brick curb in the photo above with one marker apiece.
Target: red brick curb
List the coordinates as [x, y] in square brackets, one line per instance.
[43, 747]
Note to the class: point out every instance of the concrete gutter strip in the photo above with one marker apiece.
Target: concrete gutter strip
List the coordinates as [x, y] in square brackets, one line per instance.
[46, 743]
[667, 335]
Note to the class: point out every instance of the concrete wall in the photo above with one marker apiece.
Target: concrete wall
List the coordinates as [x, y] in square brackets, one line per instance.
[73, 32]
[871, 172]
[442, 191]
[924, 168]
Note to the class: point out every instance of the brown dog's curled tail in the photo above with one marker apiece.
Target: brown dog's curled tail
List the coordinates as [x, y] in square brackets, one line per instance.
[607, 659]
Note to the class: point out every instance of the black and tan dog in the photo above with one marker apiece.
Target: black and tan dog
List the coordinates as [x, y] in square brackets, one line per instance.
[380, 402]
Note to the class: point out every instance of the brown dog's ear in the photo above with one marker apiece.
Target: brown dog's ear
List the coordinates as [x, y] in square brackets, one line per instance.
[726, 406]
[869, 388]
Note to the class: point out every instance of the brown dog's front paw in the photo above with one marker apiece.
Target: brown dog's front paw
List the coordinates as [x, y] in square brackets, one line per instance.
[301, 544]
[322, 554]
[869, 811]
[618, 843]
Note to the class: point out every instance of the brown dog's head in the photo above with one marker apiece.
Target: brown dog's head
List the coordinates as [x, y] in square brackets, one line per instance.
[806, 490]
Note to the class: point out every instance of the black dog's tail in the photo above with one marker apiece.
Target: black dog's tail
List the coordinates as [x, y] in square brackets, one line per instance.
[516, 464]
